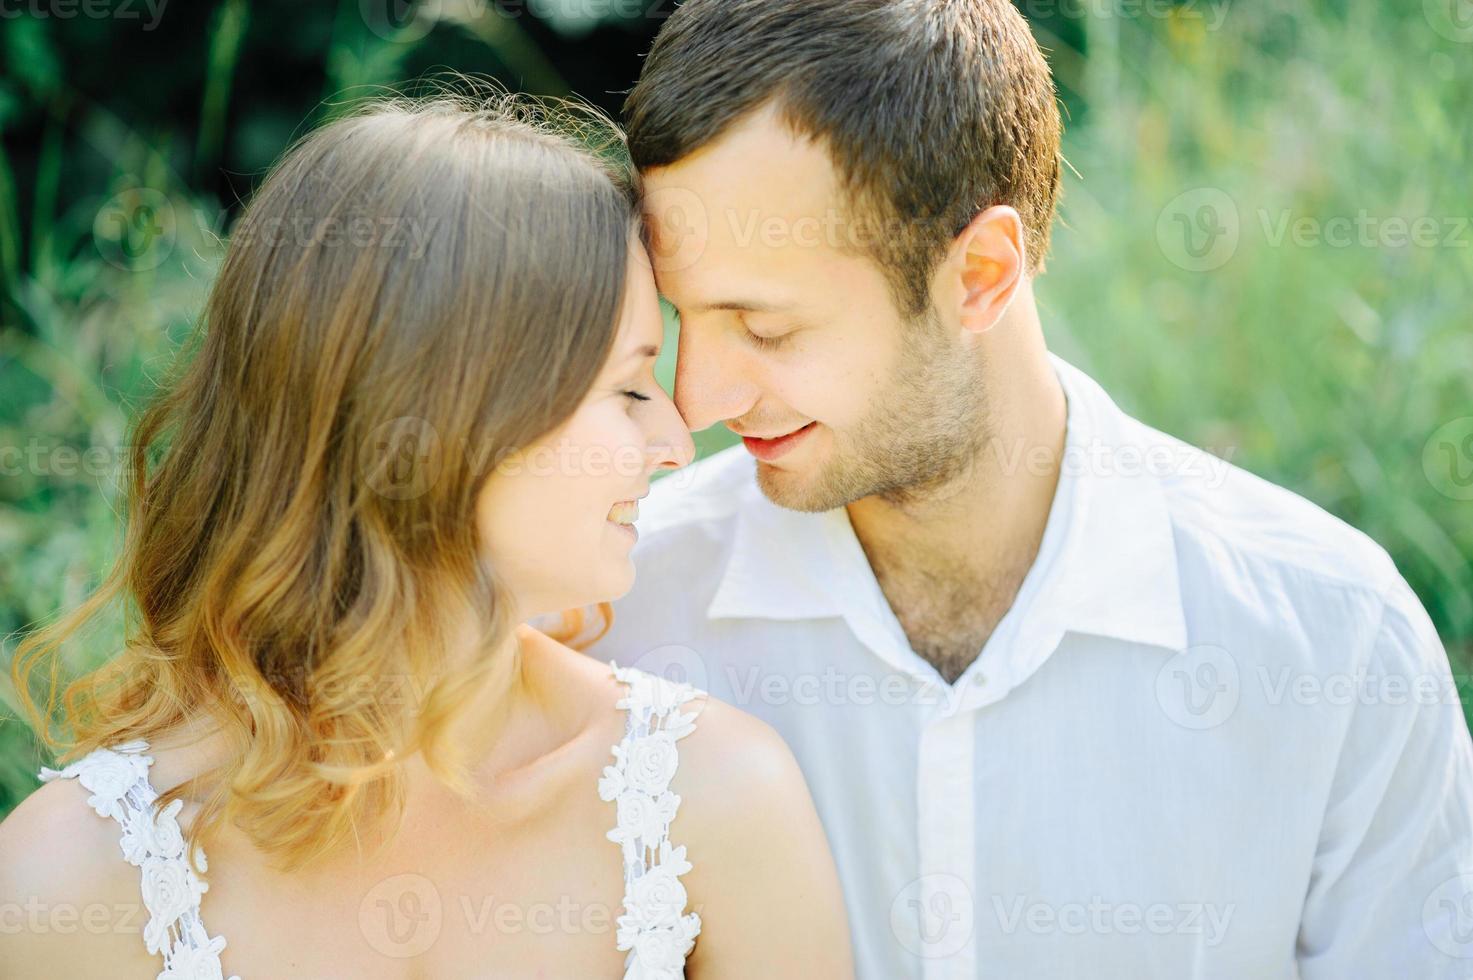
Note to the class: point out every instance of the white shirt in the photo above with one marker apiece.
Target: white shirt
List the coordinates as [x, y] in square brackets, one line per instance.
[1215, 736]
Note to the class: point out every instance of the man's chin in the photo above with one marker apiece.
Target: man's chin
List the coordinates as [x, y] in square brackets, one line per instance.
[798, 489]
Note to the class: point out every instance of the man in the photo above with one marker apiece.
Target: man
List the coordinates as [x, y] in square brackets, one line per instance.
[1074, 699]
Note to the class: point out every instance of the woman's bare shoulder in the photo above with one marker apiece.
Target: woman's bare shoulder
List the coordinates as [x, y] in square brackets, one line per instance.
[731, 751]
[762, 875]
[54, 835]
[728, 754]
[740, 789]
[67, 887]
[728, 749]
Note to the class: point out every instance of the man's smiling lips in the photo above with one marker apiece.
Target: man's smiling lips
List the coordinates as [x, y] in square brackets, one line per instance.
[769, 450]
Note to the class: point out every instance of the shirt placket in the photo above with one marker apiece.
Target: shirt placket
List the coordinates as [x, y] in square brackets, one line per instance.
[940, 905]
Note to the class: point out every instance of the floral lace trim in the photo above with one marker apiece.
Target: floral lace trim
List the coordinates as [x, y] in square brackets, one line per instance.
[118, 781]
[653, 927]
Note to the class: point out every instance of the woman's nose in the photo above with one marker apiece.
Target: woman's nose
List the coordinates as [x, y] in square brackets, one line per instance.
[673, 448]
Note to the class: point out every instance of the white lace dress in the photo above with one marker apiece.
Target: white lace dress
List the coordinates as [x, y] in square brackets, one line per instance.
[654, 927]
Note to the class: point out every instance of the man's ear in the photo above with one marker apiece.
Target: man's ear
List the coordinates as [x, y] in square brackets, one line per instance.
[985, 265]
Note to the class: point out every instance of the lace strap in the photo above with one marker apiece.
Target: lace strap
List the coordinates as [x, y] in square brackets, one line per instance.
[654, 926]
[117, 778]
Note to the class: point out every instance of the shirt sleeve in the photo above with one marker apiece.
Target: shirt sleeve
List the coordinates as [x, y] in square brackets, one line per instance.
[1391, 891]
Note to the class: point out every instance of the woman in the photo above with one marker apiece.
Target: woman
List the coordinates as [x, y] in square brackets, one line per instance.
[421, 414]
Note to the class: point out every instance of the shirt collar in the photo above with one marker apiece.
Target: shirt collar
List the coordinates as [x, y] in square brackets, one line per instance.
[1114, 573]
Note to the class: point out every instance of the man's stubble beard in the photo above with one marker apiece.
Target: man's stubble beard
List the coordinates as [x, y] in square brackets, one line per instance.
[923, 434]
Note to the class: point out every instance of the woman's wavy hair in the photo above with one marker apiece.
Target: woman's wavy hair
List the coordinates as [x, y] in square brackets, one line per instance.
[417, 289]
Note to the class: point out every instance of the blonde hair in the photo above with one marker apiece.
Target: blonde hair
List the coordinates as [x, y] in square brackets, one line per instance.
[278, 551]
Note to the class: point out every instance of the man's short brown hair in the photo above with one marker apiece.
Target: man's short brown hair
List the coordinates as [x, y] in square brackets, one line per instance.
[932, 110]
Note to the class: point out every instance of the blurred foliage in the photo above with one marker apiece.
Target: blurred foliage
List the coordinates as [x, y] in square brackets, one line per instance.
[1327, 347]
[125, 150]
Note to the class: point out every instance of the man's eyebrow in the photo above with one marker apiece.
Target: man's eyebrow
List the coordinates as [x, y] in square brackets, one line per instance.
[740, 305]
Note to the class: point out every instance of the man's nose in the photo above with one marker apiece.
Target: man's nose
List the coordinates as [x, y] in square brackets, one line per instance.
[709, 388]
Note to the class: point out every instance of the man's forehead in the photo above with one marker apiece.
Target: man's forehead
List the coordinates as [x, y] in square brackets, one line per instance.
[757, 168]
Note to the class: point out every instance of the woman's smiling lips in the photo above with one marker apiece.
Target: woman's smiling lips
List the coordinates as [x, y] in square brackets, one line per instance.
[623, 515]
[769, 450]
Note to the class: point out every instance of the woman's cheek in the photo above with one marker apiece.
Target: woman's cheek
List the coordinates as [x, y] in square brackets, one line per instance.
[612, 448]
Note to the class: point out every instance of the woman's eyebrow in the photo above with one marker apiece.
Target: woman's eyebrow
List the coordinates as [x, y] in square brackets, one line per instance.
[647, 350]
